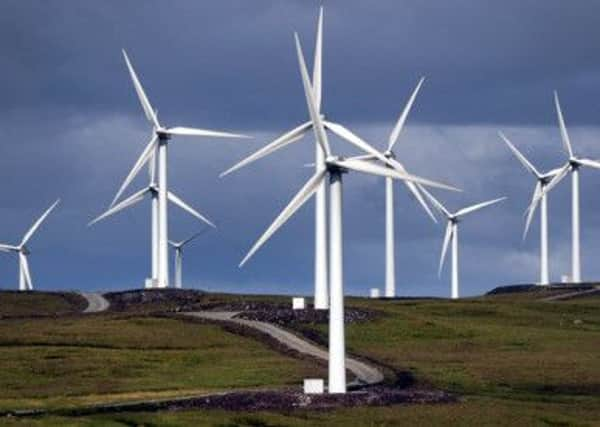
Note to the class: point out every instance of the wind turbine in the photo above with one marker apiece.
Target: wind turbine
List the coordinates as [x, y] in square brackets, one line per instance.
[321, 299]
[390, 246]
[332, 167]
[572, 165]
[152, 191]
[25, 283]
[542, 181]
[158, 143]
[452, 233]
[178, 246]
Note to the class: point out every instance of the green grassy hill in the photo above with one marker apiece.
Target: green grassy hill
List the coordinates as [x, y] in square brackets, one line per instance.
[512, 359]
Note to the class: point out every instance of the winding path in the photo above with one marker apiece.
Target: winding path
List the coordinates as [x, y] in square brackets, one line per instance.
[365, 374]
[96, 302]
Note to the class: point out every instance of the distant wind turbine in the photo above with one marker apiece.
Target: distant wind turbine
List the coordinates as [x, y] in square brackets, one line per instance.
[542, 180]
[152, 191]
[452, 234]
[25, 283]
[572, 165]
[390, 245]
[332, 167]
[178, 247]
[158, 143]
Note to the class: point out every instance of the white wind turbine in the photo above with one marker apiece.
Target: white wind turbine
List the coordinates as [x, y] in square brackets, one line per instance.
[452, 234]
[542, 180]
[332, 167]
[25, 283]
[321, 299]
[158, 144]
[572, 165]
[152, 191]
[390, 246]
[178, 247]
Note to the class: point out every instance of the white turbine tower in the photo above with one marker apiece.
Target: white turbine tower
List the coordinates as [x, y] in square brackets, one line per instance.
[542, 180]
[152, 191]
[452, 234]
[178, 247]
[321, 300]
[25, 283]
[572, 165]
[332, 167]
[158, 143]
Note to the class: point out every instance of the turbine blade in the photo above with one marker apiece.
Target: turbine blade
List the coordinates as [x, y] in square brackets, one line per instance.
[148, 110]
[152, 167]
[282, 141]
[177, 201]
[347, 135]
[355, 140]
[436, 203]
[130, 201]
[590, 163]
[400, 124]
[193, 237]
[375, 169]
[478, 206]
[186, 131]
[26, 272]
[526, 163]
[447, 237]
[414, 190]
[363, 157]
[149, 151]
[318, 63]
[532, 207]
[36, 225]
[8, 248]
[563, 129]
[315, 117]
[296, 203]
[562, 172]
[557, 178]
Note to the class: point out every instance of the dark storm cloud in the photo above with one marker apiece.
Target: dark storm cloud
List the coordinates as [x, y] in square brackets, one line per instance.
[232, 62]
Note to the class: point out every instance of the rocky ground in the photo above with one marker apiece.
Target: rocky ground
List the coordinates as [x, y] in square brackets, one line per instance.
[187, 300]
[286, 315]
[283, 400]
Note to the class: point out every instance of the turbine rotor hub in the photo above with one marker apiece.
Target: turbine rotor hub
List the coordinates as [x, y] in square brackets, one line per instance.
[333, 167]
[163, 134]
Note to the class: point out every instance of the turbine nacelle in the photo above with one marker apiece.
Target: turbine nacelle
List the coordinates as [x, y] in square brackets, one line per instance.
[163, 134]
[332, 163]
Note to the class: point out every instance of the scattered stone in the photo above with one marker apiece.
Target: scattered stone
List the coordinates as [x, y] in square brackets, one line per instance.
[284, 400]
[286, 316]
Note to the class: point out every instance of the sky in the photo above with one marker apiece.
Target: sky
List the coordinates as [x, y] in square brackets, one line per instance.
[72, 128]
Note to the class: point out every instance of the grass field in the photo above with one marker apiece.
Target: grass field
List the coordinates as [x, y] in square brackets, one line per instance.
[13, 303]
[513, 360]
[82, 360]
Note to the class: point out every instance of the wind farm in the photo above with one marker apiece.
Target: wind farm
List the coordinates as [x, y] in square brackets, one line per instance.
[298, 286]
